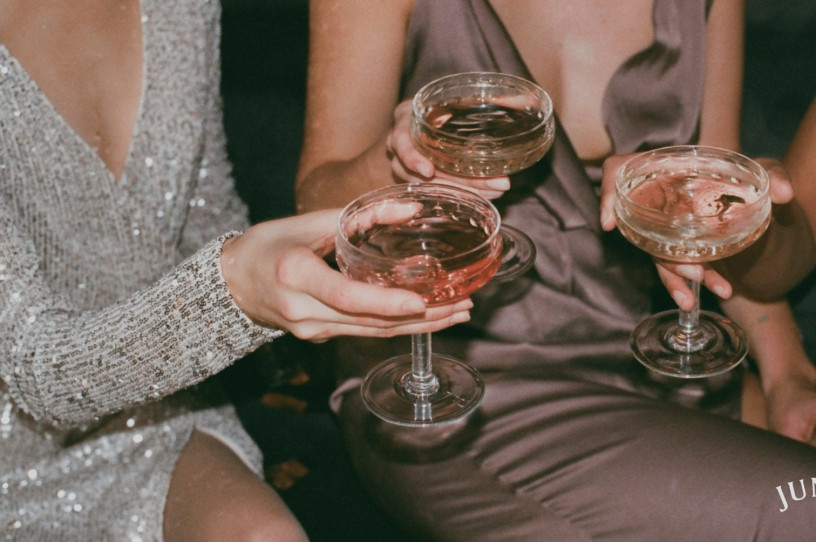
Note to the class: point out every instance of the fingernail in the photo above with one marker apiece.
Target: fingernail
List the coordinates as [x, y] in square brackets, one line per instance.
[721, 291]
[460, 317]
[413, 306]
[499, 184]
[690, 271]
[425, 170]
[606, 218]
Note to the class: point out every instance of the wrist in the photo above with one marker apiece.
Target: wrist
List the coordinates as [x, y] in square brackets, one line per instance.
[798, 369]
[231, 270]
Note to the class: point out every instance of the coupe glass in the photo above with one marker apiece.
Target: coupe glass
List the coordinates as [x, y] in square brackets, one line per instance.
[441, 242]
[485, 124]
[691, 204]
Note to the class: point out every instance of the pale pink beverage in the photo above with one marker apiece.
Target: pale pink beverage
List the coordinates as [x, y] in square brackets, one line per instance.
[691, 217]
[438, 257]
[482, 124]
[442, 242]
[473, 138]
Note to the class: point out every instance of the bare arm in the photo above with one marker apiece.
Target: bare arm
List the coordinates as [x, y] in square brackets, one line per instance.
[762, 275]
[787, 252]
[788, 376]
[350, 98]
[785, 255]
[800, 162]
[719, 122]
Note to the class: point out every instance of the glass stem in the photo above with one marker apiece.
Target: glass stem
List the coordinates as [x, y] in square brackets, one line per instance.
[689, 320]
[689, 335]
[422, 381]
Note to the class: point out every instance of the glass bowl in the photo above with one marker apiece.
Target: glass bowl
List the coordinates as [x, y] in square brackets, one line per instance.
[482, 124]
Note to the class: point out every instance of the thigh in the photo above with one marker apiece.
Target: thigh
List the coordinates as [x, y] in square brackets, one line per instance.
[214, 496]
[550, 458]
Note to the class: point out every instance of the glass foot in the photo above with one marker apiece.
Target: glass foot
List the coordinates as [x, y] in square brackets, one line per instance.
[459, 391]
[715, 346]
[518, 254]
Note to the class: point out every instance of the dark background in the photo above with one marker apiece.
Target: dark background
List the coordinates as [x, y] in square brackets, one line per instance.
[264, 50]
[264, 55]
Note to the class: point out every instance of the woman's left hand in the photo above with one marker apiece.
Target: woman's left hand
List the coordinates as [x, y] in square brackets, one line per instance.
[410, 165]
[276, 274]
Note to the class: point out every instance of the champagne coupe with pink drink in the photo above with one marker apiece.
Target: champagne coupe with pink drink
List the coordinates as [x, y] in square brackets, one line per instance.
[443, 243]
[691, 204]
[486, 124]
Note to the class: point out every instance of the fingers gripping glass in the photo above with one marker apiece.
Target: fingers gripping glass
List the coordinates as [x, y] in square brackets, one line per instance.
[485, 124]
[443, 243]
[691, 204]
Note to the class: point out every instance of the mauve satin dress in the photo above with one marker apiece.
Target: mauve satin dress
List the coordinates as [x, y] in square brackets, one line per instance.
[574, 440]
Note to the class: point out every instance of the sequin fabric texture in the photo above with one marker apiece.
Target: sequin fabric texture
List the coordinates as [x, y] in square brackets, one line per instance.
[111, 295]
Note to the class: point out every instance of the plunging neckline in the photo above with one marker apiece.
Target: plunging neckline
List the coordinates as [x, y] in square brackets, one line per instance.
[69, 128]
[608, 85]
[669, 80]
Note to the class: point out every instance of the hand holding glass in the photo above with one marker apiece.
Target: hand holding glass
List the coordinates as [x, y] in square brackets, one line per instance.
[485, 124]
[441, 242]
[691, 204]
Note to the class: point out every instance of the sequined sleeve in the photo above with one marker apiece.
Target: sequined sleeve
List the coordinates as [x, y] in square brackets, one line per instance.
[67, 367]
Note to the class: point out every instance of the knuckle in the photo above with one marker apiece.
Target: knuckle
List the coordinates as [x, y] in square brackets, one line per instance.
[292, 310]
[288, 269]
[307, 332]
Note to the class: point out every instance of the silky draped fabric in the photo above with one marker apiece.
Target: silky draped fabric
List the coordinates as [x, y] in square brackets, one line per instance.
[587, 292]
[588, 289]
[574, 440]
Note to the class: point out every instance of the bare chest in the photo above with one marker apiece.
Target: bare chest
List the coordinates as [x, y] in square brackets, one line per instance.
[573, 49]
[86, 57]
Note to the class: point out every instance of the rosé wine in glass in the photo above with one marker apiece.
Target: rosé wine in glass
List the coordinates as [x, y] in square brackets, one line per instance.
[486, 124]
[439, 241]
[430, 255]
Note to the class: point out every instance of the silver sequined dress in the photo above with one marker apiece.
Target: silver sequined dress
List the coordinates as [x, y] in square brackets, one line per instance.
[111, 296]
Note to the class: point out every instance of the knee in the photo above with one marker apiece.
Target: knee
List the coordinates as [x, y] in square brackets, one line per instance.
[281, 530]
[260, 520]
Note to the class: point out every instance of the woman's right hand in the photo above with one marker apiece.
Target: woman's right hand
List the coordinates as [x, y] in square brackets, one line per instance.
[276, 274]
[675, 275]
[410, 165]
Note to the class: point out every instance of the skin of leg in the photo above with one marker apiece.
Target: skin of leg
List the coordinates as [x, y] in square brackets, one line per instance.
[214, 496]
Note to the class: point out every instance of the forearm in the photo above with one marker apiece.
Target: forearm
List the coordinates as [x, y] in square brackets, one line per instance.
[770, 268]
[353, 86]
[788, 377]
[69, 366]
[787, 252]
[335, 183]
[774, 339]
